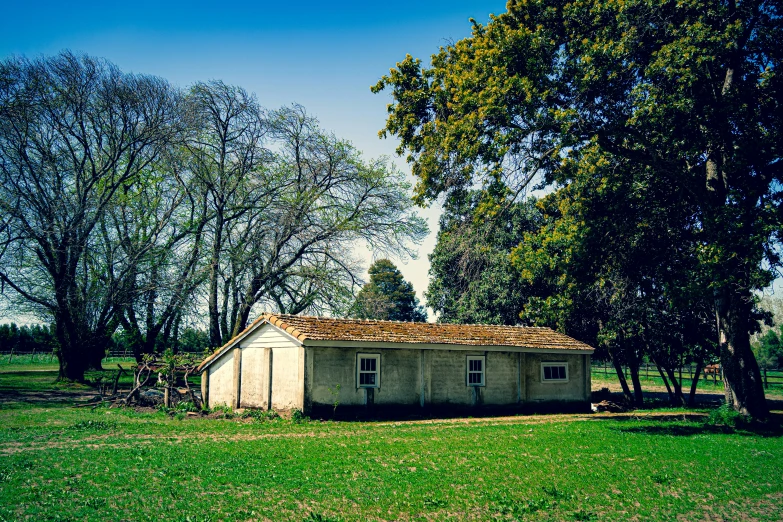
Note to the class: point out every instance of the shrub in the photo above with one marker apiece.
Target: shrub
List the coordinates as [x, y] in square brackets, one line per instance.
[260, 415]
[726, 416]
[298, 416]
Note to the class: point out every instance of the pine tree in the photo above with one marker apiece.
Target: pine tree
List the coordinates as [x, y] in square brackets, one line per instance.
[387, 296]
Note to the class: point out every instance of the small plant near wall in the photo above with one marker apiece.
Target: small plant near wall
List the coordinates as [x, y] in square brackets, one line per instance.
[335, 393]
[297, 416]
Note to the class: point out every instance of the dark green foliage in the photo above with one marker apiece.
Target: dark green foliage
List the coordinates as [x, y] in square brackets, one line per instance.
[189, 340]
[687, 94]
[387, 296]
[769, 349]
[26, 339]
[472, 279]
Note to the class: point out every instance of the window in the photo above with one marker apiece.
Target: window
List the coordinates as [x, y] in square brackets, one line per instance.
[476, 364]
[368, 370]
[554, 372]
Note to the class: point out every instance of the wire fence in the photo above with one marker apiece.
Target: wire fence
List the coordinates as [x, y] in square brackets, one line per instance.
[772, 377]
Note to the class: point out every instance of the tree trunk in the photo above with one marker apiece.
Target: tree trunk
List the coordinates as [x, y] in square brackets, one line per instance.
[72, 362]
[695, 383]
[742, 378]
[215, 337]
[665, 382]
[633, 366]
[621, 377]
[679, 398]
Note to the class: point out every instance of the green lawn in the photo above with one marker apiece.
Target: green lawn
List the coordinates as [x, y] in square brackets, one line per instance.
[64, 463]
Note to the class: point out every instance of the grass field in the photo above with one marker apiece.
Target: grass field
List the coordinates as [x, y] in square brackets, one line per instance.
[64, 463]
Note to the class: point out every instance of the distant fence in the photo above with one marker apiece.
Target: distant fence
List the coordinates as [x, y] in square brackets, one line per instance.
[711, 373]
[38, 356]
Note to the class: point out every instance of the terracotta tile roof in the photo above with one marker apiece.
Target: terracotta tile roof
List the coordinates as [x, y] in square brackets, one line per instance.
[306, 328]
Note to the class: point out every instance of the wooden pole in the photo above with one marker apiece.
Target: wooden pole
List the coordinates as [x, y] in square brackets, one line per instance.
[766, 383]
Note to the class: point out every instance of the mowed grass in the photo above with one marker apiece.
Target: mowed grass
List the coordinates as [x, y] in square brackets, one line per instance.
[65, 463]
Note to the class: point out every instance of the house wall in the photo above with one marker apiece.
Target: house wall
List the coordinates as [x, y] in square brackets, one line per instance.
[437, 378]
[575, 390]
[221, 381]
[399, 377]
[254, 387]
[265, 353]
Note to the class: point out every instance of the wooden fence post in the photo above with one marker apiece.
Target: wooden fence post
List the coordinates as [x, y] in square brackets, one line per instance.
[766, 383]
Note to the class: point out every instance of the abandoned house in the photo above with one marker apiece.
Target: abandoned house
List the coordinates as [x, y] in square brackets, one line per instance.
[285, 362]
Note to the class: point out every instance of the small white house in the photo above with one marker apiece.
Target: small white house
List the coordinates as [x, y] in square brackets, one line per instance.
[286, 362]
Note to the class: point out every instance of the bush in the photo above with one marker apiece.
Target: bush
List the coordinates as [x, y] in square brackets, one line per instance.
[260, 415]
[726, 416]
[298, 416]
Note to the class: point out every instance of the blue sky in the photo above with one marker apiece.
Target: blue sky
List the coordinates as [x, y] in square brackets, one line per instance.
[322, 55]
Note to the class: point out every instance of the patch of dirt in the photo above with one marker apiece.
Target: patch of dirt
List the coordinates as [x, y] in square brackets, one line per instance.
[53, 396]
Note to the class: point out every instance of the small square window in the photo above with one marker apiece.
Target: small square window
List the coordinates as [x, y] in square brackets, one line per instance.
[554, 372]
[476, 367]
[368, 370]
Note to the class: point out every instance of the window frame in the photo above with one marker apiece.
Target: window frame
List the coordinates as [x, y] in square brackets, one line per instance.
[483, 359]
[359, 372]
[554, 364]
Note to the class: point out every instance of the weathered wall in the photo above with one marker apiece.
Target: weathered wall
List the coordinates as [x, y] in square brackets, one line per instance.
[571, 391]
[440, 377]
[254, 390]
[265, 349]
[221, 380]
[399, 377]
[286, 379]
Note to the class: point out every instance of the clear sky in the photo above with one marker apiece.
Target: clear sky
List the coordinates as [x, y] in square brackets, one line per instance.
[323, 55]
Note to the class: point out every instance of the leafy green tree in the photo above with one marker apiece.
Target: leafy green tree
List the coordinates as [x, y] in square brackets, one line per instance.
[689, 90]
[387, 296]
[472, 279]
[769, 349]
[616, 265]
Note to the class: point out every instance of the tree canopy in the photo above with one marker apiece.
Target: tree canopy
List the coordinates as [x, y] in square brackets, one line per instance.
[472, 279]
[689, 91]
[387, 296]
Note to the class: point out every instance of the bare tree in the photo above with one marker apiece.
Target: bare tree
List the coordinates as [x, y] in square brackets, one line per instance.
[73, 131]
[226, 151]
[158, 227]
[296, 252]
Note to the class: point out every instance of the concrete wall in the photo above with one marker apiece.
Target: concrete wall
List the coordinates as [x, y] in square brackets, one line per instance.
[221, 381]
[254, 387]
[287, 381]
[437, 378]
[399, 377]
[266, 352]
[575, 390]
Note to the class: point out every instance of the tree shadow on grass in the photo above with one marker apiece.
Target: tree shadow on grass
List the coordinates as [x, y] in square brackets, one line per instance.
[771, 428]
